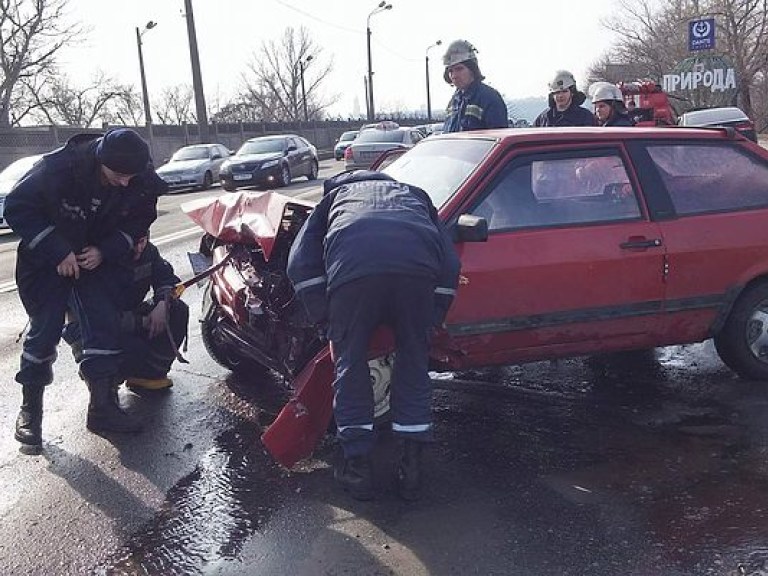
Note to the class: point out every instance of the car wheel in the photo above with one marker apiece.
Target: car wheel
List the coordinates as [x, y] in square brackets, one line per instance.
[743, 342]
[228, 187]
[313, 170]
[285, 175]
[207, 181]
[381, 380]
[221, 353]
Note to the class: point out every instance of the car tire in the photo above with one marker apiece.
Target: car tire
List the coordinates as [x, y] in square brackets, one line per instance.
[742, 344]
[285, 175]
[313, 170]
[228, 187]
[218, 350]
[207, 181]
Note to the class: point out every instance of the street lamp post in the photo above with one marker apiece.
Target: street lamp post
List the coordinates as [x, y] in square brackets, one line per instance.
[429, 101]
[144, 92]
[302, 64]
[380, 8]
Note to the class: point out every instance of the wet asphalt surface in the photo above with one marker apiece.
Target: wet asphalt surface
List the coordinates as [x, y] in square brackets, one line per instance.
[650, 463]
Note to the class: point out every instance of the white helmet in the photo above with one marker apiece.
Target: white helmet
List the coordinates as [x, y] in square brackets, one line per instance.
[605, 92]
[459, 51]
[563, 81]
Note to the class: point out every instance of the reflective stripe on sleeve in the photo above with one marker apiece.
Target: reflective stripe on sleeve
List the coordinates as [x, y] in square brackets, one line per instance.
[40, 237]
[356, 426]
[309, 283]
[445, 291]
[100, 352]
[35, 360]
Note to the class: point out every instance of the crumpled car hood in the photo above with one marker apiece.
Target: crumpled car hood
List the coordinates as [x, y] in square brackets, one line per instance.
[244, 217]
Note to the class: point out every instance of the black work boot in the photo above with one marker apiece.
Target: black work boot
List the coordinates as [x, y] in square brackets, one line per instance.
[355, 475]
[409, 471]
[104, 411]
[29, 423]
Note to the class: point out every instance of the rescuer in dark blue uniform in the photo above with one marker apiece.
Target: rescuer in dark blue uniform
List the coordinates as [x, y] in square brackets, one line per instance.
[565, 104]
[151, 329]
[474, 105]
[79, 212]
[374, 252]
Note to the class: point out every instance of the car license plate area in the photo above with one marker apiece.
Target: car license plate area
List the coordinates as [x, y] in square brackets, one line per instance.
[173, 179]
[241, 176]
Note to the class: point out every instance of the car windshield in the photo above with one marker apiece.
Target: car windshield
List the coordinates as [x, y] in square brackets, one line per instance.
[196, 153]
[370, 136]
[347, 136]
[265, 146]
[439, 167]
[17, 169]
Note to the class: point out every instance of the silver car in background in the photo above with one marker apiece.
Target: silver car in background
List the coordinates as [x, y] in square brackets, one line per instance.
[373, 141]
[12, 174]
[195, 166]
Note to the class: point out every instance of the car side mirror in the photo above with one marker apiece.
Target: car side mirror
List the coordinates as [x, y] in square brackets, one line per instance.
[471, 228]
[215, 156]
[292, 148]
[166, 160]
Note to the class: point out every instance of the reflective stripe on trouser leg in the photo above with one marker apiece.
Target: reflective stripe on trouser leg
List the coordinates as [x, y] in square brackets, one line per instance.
[354, 313]
[411, 391]
[44, 295]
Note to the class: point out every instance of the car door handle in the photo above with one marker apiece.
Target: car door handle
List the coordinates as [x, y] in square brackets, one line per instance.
[640, 242]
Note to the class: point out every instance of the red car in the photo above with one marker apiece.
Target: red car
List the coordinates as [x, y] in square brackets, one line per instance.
[572, 241]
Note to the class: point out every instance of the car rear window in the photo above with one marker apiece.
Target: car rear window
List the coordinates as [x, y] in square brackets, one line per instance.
[710, 178]
[369, 136]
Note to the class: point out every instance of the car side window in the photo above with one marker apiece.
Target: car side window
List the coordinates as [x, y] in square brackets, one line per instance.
[710, 177]
[559, 191]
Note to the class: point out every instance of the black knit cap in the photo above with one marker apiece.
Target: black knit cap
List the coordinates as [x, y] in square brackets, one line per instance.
[123, 150]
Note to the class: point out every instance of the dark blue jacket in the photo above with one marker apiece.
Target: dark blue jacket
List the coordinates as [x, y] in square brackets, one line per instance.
[151, 270]
[60, 206]
[574, 115]
[370, 224]
[476, 108]
[619, 119]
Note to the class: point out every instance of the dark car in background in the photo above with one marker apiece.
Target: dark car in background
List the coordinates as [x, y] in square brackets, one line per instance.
[194, 166]
[270, 160]
[727, 116]
[343, 143]
[377, 139]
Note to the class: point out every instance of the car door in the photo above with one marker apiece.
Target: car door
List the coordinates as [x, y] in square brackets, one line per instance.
[572, 263]
[296, 157]
[218, 155]
[713, 204]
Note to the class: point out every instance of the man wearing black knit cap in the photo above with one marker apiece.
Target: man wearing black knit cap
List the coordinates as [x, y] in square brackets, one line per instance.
[79, 211]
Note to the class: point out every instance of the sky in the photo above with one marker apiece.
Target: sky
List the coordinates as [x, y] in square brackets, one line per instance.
[520, 44]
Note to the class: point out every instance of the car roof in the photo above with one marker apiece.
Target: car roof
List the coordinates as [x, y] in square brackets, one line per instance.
[711, 115]
[570, 134]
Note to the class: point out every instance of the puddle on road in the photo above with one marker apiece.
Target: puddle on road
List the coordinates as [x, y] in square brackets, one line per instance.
[212, 512]
[634, 464]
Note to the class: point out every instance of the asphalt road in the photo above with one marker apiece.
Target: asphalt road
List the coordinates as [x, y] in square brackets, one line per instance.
[638, 464]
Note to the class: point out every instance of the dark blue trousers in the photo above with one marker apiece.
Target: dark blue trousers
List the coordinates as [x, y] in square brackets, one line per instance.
[356, 309]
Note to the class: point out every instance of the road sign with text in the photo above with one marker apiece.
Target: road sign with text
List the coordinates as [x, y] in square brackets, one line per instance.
[701, 34]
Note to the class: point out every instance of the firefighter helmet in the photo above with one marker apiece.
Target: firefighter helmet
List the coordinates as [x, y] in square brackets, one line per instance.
[605, 92]
[563, 80]
[459, 51]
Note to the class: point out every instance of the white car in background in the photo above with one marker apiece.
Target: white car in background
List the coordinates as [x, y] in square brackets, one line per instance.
[195, 166]
[10, 175]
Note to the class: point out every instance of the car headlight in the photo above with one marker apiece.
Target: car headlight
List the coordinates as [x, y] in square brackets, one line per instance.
[225, 168]
[270, 163]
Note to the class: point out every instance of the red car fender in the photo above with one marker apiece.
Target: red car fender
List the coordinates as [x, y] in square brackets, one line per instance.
[304, 420]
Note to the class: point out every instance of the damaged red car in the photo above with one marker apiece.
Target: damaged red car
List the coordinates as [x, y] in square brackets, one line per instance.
[573, 241]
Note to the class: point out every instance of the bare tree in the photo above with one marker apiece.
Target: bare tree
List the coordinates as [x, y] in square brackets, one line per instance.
[127, 109]
[31, 33]
[273, 84]
[175, 105]
[61, 102]
[652, 41]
